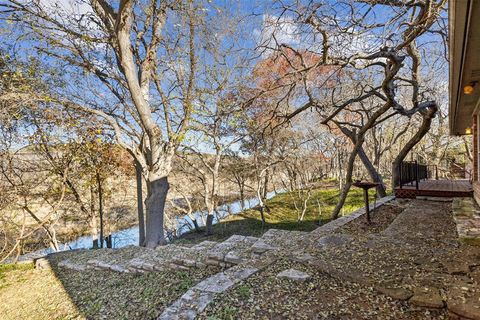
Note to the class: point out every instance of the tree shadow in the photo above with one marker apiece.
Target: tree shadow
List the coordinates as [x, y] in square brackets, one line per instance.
[104, 294]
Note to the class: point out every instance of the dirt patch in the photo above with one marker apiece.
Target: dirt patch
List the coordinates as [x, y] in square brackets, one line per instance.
[266, 296]
[380, 219]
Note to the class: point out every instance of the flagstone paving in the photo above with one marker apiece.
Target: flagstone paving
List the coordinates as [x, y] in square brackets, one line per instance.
[407, 264]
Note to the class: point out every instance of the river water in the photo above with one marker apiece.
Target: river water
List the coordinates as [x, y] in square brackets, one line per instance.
[126, 237]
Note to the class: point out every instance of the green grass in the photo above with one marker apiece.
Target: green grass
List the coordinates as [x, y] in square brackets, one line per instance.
[27, 293]
[243, 291]
[5, 268]
[283, 215]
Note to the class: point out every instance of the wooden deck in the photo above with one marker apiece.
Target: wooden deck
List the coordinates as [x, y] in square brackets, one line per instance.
[436, 188]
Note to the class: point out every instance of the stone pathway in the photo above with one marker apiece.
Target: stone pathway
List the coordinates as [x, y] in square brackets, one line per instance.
[197, 298]
[417, 258]
[240, 257]
[467, 217]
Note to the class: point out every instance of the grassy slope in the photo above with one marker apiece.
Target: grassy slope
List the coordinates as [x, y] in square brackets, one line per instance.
[27, 293]
[283, 215]
[45, 294]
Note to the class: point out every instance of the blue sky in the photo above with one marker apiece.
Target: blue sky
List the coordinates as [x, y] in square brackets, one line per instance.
[254, 11]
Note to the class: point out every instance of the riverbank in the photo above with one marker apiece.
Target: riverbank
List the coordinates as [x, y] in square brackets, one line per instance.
[283, 215]
[126, 233]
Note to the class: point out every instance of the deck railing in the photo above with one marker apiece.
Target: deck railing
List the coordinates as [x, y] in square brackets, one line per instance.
[411, 172]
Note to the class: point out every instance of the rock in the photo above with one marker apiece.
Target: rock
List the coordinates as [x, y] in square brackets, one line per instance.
[188, 262]
[421, 261]
[147, 266]
[237, 274]
[212, 262]
[117, 268]
[463, 300]
[235, 238]
[72, 266]
[216, 255]
[188, 306]
[468, 309]
[204, 245]
[103, 265]
[250, 239]
[233, 257]
[302, 257]
[216, 283]
[42, 263]
[334, 240]
[135, 264]
[261, 246]
[175, 266]
[437, 199]
[293, 274]
[428, 298]
[457, 267]
[92, 262]
[395, 293]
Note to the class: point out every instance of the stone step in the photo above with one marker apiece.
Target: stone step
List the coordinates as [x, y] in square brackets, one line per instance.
[275, 239]
[234, 250]
[196, 299]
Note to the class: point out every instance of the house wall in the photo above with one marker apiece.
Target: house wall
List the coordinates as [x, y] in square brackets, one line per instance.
[475, 138]
[476, 158]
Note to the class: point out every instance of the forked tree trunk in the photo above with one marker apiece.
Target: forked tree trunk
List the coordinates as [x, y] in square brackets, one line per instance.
[348, 180]
[428, 113]
[155, 204]
[51, 233]
[374, 175]
[372, 171]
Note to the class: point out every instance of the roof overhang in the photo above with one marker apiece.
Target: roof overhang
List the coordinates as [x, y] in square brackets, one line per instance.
[464, 60]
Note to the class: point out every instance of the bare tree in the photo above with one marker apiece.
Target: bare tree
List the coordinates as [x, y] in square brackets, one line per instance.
[145, 56]
[342, 64]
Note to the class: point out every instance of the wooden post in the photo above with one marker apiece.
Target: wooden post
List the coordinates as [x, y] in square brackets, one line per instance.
[367, 207]
[416, 174]
[400, 174]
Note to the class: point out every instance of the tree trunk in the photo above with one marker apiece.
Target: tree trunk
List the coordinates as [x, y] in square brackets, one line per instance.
[93, 220]
[51, 233]
[348, 180]
[374, 175]
[195, 225]
[242, 198]
[140, 212]
[209, 224]
[265, 184]
[94, 232]
[100, 207]
[155, 203]
[262, 215]
[428, 113]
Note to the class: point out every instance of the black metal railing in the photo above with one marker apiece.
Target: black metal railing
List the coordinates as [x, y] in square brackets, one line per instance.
[411, 172]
